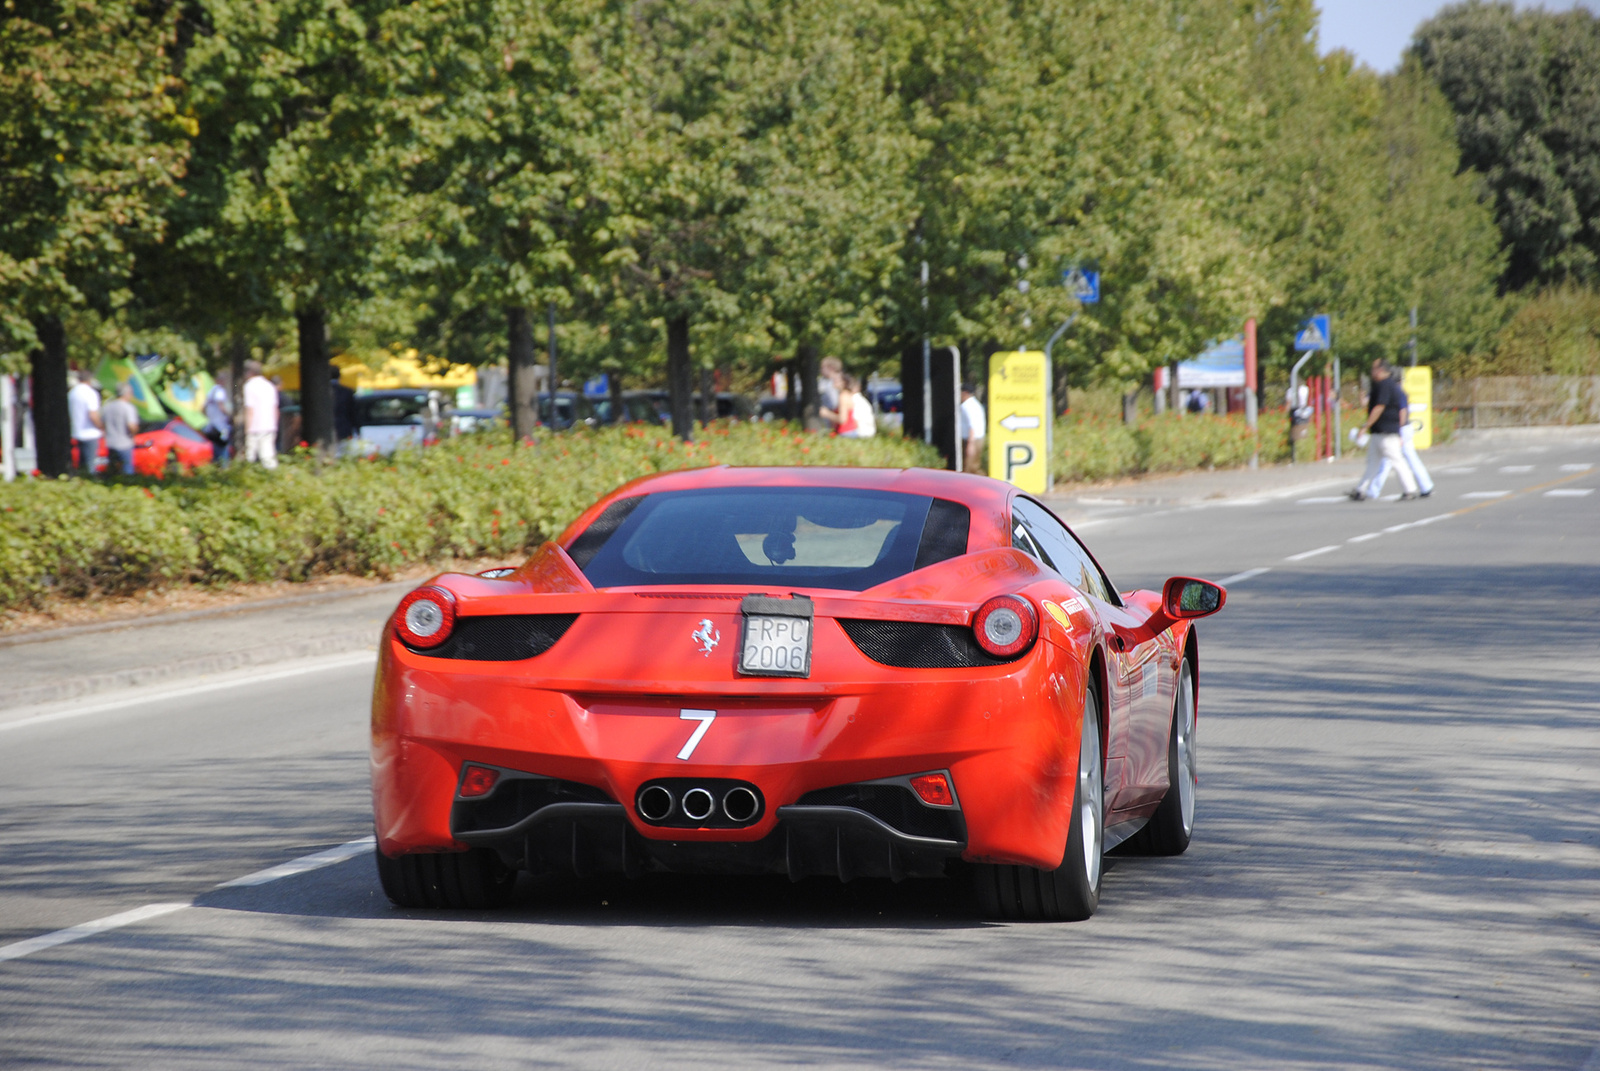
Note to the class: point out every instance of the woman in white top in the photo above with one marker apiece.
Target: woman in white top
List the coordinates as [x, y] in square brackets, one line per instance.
[857, 421]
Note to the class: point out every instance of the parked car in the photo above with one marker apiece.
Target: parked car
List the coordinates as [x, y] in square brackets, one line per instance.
[155, 450]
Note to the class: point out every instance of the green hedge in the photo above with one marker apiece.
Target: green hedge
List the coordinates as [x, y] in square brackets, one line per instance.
[1097, 447]
[469, 497]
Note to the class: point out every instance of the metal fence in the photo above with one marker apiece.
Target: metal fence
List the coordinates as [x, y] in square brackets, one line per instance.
[1520, 401]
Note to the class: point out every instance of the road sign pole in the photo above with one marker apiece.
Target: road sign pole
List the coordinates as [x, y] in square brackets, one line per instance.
[1338, 414]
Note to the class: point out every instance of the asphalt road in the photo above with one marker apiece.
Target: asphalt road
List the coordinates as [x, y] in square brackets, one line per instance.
[1396, 865]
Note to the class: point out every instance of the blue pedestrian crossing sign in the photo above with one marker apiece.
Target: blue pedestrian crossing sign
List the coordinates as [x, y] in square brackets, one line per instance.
[1085, 285]
[1315, 334]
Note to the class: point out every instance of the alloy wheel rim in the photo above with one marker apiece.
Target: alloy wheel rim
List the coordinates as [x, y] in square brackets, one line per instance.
[1186, 749]
[1091, 798]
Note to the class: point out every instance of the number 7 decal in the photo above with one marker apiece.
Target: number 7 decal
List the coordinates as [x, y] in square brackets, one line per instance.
[705, 718]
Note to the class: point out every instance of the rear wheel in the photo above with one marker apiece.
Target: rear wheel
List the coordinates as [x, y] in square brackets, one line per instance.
[1070, 892]
[1169, 829]
[471, 879]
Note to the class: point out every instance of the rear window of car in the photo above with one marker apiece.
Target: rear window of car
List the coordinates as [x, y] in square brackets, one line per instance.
[816, 537]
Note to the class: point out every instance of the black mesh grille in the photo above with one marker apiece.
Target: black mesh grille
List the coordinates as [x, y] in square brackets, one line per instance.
[592, 538]
[916, 645]
[896, 805]
[503, 637]
[515, 798]
[944, 533]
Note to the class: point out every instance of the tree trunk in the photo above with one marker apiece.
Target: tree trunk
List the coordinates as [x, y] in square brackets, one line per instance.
[52, 426]
[519, 373]
[316, 380]
[791, 392]
[680, 377]
[805, 357]
[1130, 407]
[618, 414]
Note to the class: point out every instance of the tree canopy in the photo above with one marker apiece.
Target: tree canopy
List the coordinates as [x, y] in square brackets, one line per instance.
[699, 184]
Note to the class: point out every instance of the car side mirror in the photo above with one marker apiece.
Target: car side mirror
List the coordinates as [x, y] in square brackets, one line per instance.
[1185, 597]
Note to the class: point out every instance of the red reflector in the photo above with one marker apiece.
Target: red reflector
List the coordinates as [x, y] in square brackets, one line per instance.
[478, 780]
[934, 788]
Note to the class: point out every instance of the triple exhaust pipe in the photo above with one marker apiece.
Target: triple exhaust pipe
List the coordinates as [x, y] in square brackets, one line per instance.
[660, 803]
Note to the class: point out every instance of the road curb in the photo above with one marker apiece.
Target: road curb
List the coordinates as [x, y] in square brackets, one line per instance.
[222, 662]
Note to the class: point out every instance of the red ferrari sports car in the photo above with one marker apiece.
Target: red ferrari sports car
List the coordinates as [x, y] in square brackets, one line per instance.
[157, 448]
[846, 672]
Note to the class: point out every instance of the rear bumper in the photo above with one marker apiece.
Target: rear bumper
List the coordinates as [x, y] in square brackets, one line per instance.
[585, 839]
[1007, 736]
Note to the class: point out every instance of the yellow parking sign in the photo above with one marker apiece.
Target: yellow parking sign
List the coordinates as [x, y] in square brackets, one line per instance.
[1019, 419]
[1418, 385]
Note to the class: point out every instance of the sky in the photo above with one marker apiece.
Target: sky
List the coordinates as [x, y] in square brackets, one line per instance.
[1377, 31]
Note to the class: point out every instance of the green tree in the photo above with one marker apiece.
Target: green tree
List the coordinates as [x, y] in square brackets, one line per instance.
[1525, 88]
[91, 146]
[280, 216]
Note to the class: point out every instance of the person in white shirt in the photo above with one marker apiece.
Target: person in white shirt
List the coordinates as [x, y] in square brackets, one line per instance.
[260, 417]
[83, 409]
[973, 426]
[859, 422]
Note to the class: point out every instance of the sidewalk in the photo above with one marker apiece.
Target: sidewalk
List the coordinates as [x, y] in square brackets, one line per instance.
[68, 663]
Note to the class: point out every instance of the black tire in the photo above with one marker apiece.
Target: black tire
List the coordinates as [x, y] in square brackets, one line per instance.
[1169, 830]
[473, 879]
[1071, 892]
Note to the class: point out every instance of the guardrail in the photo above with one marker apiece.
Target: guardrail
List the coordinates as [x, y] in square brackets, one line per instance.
[1520, 401]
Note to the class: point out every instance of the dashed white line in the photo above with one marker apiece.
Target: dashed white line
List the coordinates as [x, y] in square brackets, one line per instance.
[1363, 538]
[136, 695]
[348, 850]
[1486, 494]
[1460, 470]
[305, 863]
[1516, 468]
[87, 929]
[1321, 499]
[1569, 492]
[1304, 554]
[1584, 466]
[1246, 575]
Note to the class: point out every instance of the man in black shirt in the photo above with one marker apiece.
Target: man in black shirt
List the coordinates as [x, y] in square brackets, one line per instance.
[1384, 407]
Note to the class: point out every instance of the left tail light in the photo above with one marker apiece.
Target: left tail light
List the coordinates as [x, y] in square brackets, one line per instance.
[1005, 626]
[426, 617]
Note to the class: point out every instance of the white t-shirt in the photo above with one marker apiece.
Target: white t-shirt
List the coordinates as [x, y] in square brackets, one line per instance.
[261, 403]
[81, 401]
[866, 420]
[973, 420]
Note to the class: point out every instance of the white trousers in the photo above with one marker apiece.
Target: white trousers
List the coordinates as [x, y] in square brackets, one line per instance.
[1383, 454]
[1372, 483]
[262, 446]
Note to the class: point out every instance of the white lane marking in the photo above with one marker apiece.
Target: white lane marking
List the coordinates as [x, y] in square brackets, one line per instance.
[1246, 575]
[1320, 499]
[1304, 554]
[152, 695]
[315, 861]
[1363, 538]
[87, 929]
[1516, 468]
[1106, 501]
[1460, 470]
[1578, 467]
[1569, 492]
[1486, 494]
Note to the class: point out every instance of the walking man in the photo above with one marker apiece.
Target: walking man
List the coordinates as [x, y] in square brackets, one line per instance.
[260, 417]
[1408, 451]
[219, 421]
[1385, 404]
[83, 409]
[120, 420]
